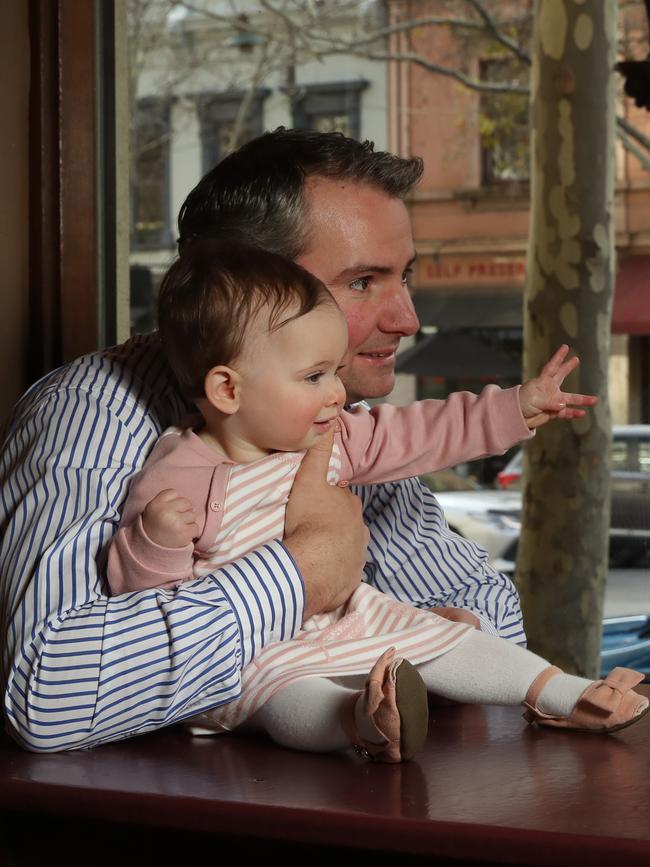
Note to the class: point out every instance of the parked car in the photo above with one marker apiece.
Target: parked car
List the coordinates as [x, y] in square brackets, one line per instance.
[626, 642]
[492, 517]
[630, 493]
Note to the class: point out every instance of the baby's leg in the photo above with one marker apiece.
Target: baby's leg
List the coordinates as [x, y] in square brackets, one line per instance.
[386, 720]
[489, 670]
[312, 714]
[484, 669]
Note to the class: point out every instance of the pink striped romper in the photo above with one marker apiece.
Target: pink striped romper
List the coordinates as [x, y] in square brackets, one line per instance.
[243, 506]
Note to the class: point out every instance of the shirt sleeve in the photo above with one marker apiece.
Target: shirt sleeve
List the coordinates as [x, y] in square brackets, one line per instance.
[78, 667]
[415, 557]
[389, 443]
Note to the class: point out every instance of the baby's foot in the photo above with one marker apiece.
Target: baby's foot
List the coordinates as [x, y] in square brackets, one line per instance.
[391, 715]
[605, 706]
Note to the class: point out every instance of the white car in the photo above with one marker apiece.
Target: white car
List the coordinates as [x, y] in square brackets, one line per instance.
[492, 517]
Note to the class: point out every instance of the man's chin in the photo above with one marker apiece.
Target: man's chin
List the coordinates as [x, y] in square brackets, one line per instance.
[369, 387]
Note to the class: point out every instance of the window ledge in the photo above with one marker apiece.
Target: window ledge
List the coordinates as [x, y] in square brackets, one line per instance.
[504, 196]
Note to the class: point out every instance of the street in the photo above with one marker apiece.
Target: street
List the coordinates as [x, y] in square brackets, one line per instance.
[628, 592]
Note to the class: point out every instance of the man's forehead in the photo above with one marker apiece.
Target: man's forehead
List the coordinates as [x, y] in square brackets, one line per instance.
[341, 192]
[355, 227]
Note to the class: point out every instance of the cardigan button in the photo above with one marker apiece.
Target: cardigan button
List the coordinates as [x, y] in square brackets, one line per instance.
[215, 506]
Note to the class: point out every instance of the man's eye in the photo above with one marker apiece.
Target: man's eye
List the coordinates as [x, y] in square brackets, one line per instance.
[406, 276]
[361, 284]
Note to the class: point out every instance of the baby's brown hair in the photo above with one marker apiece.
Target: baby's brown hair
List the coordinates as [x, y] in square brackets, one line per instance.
[211, 294]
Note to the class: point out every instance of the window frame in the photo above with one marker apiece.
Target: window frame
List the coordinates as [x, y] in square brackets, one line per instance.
[215, 109]
[325, 99]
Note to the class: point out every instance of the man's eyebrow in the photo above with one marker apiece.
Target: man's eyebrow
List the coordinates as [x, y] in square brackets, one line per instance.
[373, 269]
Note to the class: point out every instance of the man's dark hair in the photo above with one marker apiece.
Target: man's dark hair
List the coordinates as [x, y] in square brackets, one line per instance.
[256, 194]
[210, 296]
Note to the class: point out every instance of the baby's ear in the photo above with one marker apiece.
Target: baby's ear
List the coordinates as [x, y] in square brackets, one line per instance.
[222, 389]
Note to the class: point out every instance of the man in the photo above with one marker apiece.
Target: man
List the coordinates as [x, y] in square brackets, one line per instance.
[80, 668]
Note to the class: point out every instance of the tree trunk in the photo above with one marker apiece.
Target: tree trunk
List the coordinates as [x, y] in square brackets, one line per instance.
[562, 563]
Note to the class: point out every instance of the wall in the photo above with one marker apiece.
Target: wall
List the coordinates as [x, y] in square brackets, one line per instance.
[14, 211]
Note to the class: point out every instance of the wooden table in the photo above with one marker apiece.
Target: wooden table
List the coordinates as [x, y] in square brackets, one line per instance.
[486, 789]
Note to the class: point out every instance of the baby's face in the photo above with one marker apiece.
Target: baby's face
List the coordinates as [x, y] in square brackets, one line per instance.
[291, 392]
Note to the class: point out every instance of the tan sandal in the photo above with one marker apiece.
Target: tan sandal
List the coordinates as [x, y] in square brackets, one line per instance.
[394, 707]
[606, 706]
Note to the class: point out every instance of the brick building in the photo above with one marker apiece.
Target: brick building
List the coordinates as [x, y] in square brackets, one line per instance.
[470, 217]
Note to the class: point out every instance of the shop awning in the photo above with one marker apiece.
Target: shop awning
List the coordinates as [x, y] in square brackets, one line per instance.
[631, 314]
[459, 309]
[450, 311]
[457, 356]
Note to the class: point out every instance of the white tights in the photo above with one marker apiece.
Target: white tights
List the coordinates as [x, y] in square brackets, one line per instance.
[482, 669]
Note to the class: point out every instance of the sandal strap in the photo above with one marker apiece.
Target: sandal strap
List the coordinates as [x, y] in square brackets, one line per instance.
[536, 687]
[605, 695]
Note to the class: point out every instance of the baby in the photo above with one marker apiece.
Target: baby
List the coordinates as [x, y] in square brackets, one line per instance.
[257, 342]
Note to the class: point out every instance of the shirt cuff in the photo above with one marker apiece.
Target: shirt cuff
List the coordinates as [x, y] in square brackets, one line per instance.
[267, 595]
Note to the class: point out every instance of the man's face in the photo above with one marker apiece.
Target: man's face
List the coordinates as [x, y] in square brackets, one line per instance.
[362, 249]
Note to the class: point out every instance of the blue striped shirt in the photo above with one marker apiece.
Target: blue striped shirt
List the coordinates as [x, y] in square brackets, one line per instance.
[80, 668]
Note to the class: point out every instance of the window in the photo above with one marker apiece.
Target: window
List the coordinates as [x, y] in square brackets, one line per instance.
[150, 187]
[503, 126]
[329, 107]
[228, 120]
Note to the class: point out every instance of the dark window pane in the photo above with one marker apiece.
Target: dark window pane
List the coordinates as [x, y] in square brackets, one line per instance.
[504, 126]
[150, 193]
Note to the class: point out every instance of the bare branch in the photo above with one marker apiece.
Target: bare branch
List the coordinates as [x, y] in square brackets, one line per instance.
[497, 34]
[629, 145]
[407, 26]
[418, 60]
[627, 127]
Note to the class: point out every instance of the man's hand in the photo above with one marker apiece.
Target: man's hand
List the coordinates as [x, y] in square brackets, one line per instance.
[542, 398]
[458, 615]
[169, 520]
[324, 532]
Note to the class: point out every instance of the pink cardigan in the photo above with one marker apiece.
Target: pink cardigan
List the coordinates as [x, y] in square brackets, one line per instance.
[386, 443]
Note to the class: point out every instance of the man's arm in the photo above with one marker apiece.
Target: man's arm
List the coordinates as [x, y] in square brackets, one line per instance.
[414, 557]
[80, 668]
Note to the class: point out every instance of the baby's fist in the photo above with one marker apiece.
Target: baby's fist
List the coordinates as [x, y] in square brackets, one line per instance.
[169, 520]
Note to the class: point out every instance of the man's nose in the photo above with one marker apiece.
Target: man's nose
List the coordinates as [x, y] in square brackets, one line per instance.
[399, 316]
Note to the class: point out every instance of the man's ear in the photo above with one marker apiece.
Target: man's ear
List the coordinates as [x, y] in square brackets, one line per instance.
[222, 387]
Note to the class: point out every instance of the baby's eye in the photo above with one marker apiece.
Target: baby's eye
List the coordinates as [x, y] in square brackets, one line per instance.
[361, 284]
[314, 378]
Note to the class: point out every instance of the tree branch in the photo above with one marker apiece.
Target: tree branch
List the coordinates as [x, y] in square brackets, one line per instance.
[498, 35]
[626, 126]
[418, 60]
[629, 145]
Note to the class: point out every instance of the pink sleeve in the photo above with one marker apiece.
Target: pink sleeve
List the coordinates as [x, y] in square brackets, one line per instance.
[135, 562]
[390, 442]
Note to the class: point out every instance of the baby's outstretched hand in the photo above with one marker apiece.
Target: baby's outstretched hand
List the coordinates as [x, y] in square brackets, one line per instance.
[542, 398]
[169, 520]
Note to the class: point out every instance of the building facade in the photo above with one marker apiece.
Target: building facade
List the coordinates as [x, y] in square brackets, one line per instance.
[216, 79]
[470, 213]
